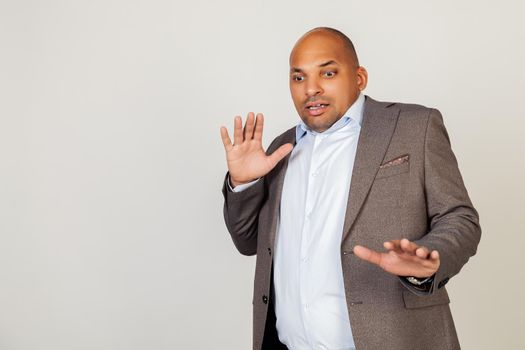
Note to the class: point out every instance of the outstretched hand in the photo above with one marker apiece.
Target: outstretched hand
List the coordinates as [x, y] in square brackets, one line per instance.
[404, 258]
[247, 160]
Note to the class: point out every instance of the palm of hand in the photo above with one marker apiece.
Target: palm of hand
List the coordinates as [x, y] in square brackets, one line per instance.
[404, 258]
[248, 161]
[405, 264]
[246, 158]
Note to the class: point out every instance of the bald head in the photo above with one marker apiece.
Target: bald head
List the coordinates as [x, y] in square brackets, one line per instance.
[337, 37]
[325, 77]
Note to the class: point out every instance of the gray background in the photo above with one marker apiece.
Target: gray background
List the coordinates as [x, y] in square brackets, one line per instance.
[111, 164]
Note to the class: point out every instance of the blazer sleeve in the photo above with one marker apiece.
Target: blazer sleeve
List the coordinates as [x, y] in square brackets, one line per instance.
[241, 210]
[454, 229]
[241, 214]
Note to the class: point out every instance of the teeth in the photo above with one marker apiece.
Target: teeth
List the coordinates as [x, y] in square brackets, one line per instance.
[317, 106]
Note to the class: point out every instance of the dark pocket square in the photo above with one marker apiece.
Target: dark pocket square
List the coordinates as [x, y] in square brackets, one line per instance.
[396, 161]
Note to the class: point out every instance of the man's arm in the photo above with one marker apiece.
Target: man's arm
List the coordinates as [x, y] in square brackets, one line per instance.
[241, 213]
[454, 223]
[454, 230]
[247, 161]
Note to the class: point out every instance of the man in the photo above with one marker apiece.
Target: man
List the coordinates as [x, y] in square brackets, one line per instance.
[358, 215]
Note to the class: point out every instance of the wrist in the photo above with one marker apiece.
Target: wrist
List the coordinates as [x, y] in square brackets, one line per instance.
[235, 183]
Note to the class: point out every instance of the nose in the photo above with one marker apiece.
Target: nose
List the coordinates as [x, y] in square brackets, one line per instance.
[313, 87]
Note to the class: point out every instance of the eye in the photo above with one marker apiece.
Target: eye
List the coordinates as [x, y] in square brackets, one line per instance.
[297, 78]
[329, 74]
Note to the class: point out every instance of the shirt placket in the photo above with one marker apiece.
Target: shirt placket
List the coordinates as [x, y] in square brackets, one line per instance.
[307, 236]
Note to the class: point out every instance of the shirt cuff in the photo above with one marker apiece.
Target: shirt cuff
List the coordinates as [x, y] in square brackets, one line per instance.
[242, 187]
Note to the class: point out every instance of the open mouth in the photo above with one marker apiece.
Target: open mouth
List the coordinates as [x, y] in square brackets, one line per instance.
[317, 109]
[317, 106]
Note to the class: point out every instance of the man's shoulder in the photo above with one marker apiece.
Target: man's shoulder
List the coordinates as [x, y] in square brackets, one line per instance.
[403, 107]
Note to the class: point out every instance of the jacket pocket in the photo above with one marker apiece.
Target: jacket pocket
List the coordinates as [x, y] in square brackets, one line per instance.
[413, 301]
[393, 170]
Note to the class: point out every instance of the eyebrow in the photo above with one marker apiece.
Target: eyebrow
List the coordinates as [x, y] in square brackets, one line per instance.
[327, 63]
[299, 70]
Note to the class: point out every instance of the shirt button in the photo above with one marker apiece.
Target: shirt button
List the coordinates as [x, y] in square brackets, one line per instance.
[265, 299]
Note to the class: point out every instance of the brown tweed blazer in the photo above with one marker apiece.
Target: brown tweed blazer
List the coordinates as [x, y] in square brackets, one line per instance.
[405, 183]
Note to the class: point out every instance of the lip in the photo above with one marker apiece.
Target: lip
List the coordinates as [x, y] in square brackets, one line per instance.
[318, 111]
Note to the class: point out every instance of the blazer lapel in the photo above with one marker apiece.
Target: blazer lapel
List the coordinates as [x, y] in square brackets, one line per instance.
[277, 184]
[377, 129]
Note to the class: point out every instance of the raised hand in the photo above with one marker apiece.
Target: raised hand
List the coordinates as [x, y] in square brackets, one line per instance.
[247, 160]
[404, 258]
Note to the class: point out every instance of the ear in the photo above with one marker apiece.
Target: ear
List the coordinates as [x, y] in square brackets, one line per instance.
[362, 78]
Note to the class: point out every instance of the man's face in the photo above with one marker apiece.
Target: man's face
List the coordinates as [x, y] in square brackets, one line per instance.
[324, 79]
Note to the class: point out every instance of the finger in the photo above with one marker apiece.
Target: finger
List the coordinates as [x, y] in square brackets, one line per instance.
[248, 126]
[279, 154]
[237, 131]
[408, 247]
[394, 246]
[368, 255]
[429, 263]
[259, 123]
[422, 252]
[226, 139]
[434, 255]
[429, 267]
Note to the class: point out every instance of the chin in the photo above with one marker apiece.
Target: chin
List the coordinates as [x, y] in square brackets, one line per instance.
[318, 127]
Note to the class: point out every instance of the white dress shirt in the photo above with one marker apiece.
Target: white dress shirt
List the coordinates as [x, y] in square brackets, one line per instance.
[310, 303]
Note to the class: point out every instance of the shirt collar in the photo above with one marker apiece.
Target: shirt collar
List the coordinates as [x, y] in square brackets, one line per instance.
[355, 112]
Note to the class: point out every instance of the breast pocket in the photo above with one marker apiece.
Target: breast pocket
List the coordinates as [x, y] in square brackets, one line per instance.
[393, 170]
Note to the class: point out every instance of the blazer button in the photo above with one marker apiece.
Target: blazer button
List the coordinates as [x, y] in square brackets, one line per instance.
[270, 251]
[265, 299]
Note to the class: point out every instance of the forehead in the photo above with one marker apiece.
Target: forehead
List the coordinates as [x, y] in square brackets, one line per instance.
[316, 48]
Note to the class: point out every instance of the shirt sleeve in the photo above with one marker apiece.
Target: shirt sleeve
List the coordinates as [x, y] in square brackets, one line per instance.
[242, 187]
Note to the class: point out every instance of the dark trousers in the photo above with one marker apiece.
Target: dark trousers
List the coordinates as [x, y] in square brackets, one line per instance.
[271, 339]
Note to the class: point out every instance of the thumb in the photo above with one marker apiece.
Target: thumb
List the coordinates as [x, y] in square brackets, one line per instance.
[368, 255]
[279, 154]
